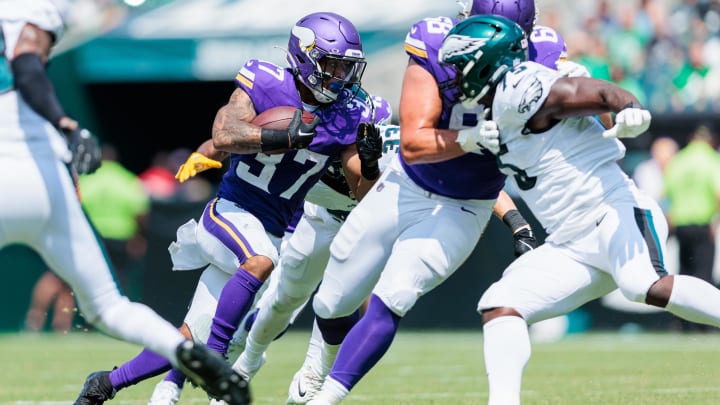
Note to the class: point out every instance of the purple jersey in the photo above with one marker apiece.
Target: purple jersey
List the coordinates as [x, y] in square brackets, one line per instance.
[473, 175]
[272, 187]
[546, 47]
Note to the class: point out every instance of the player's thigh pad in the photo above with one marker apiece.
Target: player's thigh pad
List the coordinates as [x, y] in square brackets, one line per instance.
[204, 302]
[362, 245]
[544, 283]
[431, 250]
[630, 244]
[228, 235]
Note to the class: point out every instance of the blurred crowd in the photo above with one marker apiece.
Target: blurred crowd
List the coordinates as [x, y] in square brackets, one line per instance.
[666, 52]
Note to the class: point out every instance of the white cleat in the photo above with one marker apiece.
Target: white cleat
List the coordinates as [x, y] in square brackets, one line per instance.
[165, 393]
[304, 386]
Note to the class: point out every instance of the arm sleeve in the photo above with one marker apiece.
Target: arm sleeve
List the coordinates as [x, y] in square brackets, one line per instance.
[34, 86]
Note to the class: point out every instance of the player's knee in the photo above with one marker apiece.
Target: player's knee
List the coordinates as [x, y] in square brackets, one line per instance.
[330, 309]
[633, 288]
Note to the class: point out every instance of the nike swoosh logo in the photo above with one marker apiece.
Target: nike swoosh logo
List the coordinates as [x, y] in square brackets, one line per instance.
[301, 391]
[599, 220]
[466, 210]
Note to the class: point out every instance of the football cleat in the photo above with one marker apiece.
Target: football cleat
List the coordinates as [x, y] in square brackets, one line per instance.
[212, 373]
[304, 386]
[96, 390]
[165, 393]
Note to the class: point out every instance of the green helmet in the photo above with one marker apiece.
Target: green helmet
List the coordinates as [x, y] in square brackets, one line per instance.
[482, 48]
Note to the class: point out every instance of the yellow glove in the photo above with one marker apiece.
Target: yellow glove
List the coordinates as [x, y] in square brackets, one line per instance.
[196, 163]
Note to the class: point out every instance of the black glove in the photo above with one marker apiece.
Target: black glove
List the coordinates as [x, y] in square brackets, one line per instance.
[369, 146]
[524, 241]
[301, 134]
[86, 153]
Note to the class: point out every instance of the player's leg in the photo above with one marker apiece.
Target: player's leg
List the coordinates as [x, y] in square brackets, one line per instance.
[82, 263]
[226, 228]
[635, 239]
[302, 264]
[441, 237]
[539, 285]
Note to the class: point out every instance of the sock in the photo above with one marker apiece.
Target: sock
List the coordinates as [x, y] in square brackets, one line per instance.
[695, 300]
[314, 355]
[252, 355]
[145, 365]
[366, 343]
[334, 330]
[506, 348]
[235, 300]
[332, 392]
[176, 376]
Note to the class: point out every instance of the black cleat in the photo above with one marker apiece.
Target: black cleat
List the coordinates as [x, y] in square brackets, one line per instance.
[210, 371]
[96, 390]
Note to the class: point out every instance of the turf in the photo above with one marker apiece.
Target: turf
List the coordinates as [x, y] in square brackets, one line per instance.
[420, 368]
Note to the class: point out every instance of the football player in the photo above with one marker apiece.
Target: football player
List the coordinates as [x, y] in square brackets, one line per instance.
[41, 208]
[603, 232]
[239, 233]
[423, 218]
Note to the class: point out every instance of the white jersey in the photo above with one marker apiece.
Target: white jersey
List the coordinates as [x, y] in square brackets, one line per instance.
[566, 174]
[22, 130]
[327, 197]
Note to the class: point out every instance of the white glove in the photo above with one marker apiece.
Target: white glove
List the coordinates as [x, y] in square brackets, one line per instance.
[568, 68]
[484, 135]
[629, 123]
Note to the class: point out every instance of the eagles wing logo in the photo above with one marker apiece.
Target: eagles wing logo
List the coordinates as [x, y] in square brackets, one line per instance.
[531, 96]
[455, 45]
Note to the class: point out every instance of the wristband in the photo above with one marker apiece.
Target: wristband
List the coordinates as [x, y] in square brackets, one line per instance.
[273, 139]
[514, 220]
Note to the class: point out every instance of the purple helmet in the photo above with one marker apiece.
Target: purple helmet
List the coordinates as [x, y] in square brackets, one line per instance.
[519, 11]
[547, 47]
[325, 54]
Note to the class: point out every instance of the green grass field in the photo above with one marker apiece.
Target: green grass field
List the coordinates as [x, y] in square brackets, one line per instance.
[421, 368]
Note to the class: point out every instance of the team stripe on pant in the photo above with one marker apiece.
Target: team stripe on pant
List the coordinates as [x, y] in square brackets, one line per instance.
[645, 223]
[226, 233]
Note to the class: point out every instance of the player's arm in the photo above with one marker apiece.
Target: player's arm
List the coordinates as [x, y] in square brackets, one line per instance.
[420, 109]
[28, 66]
[232, 130]
[523, 236]
[358, 184]
[580, 97]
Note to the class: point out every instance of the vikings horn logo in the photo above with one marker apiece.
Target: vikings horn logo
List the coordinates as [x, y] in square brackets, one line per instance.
[531, 96]
[456, 45]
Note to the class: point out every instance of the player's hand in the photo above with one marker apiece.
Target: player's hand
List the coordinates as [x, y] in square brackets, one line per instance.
[568, 68]
[301, 134]
[86, 153]
[196, 163]
[485, 135]
[524, 241]
[629, 123]
[369, 147]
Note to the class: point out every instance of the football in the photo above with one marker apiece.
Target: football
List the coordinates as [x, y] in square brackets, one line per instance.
[279, 117]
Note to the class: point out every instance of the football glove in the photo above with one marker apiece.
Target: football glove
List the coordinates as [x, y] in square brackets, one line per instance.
[484, 136]
[524, 241]
[369, 147]
[196, 163]
[301, 134]
[86, 152]
[629, 123]
[568, 68]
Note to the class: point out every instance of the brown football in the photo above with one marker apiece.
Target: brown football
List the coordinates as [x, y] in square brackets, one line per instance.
[279, 117]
